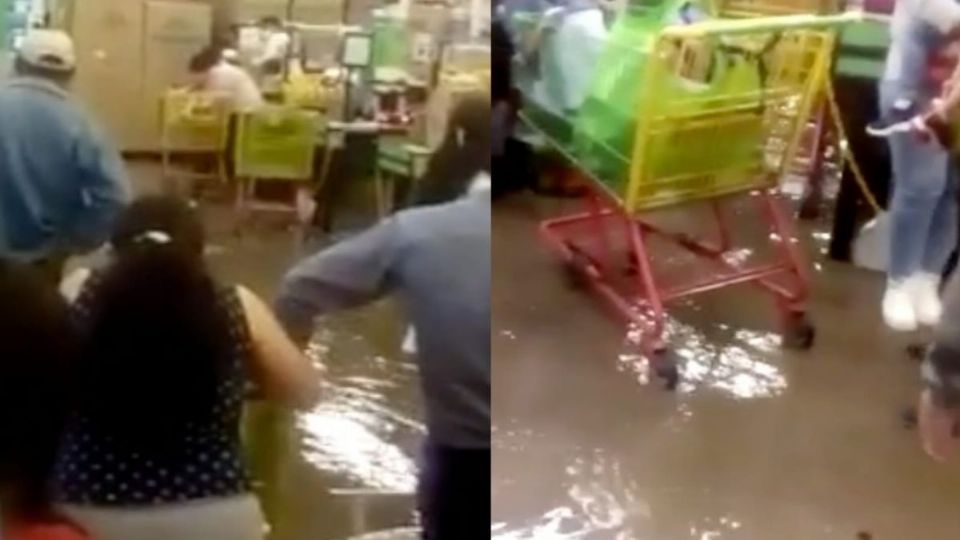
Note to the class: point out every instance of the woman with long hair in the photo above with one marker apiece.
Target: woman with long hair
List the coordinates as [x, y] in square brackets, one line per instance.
[152, 450]
[464, 155]
[37, 343]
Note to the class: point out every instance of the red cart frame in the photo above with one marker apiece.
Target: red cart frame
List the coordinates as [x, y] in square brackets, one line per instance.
[627, 281]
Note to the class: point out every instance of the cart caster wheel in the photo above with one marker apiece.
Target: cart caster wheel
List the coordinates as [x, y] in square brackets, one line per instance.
[573, 276]
[909, 418]
[916, 352]
[800, 334]
[667, 369]
[573, 269]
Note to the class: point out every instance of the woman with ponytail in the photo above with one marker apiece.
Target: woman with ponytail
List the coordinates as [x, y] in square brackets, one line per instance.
[152, 449]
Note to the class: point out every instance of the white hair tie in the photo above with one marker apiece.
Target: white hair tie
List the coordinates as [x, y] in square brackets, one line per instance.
[153, 237]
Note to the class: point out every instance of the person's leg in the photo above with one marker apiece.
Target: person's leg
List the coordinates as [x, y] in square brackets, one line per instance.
[859, 105]
[455, 493]
[921, 172]
[941, 242]
[942, 238]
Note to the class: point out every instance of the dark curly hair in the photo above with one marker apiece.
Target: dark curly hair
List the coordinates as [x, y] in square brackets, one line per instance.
[157, 341]
[464, 153]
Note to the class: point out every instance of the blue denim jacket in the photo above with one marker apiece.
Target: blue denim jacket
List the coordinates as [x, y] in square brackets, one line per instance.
[61, 183]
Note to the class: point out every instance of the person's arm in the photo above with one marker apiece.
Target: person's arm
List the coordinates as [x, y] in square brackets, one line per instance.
[280, 369]
[105, 190]
[352, 273]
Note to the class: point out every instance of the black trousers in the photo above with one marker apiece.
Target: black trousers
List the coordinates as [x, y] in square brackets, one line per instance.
[859, 103]
[455, 493]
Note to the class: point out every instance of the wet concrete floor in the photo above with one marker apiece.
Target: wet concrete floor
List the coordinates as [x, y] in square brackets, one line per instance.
[348, 465]
[757, 444]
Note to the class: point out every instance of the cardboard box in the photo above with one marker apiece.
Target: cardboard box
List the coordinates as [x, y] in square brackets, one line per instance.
[319, 11]
[434, 20]
[450, 90]
[175, 32]
[247, 11]
[108, 36]
[360, 12]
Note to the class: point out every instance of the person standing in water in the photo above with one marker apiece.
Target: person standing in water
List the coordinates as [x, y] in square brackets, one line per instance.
[63, 183]
[152, 447]
[436, 261]
[923, 209]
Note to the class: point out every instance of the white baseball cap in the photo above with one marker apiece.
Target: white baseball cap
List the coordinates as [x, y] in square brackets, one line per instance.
[49, 49]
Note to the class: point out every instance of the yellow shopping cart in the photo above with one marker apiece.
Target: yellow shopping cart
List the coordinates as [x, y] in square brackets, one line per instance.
[688, 113]
[195, 124]
[767, 8]
[275, 144]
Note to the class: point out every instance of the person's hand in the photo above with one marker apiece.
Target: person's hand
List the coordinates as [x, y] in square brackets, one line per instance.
[938, 109]
[938, 428]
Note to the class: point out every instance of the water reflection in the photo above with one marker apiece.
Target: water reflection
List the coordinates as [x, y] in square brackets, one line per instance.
[733, 362]
[603, 500]
[361, 433]
[602, 504]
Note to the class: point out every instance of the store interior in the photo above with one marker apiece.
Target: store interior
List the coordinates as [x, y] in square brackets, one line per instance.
[661, 368]
[367, 87]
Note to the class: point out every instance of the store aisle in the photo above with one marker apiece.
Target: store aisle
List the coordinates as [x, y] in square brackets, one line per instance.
[758, 443]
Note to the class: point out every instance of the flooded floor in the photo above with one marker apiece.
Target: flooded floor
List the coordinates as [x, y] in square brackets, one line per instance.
[757, 444]
[348, 465]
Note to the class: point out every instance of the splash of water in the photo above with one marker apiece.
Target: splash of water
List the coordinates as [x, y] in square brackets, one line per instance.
[353, 433]
[601, 504]
[736, 366]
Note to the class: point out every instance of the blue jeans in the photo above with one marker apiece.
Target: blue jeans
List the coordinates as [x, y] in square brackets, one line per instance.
[923, 208]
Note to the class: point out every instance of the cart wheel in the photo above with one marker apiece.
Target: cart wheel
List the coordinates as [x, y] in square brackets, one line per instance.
[575, 267]
[667, 368]
[799, 334]
[909, 418]
[916, 352]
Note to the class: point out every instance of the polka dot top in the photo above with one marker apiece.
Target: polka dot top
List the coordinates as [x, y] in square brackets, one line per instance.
[94, 470]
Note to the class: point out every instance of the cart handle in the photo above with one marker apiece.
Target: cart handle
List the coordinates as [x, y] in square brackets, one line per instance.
[761, 24]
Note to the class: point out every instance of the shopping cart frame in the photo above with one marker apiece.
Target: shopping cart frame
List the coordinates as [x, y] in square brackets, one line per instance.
[627, 281]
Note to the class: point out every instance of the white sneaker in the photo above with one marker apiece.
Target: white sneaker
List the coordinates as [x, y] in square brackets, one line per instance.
[898, 310]
[925, 291]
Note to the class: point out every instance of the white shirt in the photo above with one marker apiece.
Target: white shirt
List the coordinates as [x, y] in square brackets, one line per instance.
[276, 46]
[235, 83]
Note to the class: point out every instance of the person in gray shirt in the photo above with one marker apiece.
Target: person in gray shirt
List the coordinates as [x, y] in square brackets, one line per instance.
[436, 261]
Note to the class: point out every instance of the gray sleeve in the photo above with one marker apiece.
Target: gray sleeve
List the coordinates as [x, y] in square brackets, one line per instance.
[351, 273]
[941, 368]
[944, 15]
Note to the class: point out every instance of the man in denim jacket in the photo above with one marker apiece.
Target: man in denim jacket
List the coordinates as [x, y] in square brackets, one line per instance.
[61, 183]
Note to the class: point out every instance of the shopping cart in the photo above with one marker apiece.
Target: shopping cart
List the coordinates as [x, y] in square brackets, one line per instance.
[273, 145]
[194, 124]
[769, 8]
[688, 113]
[809, 160]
